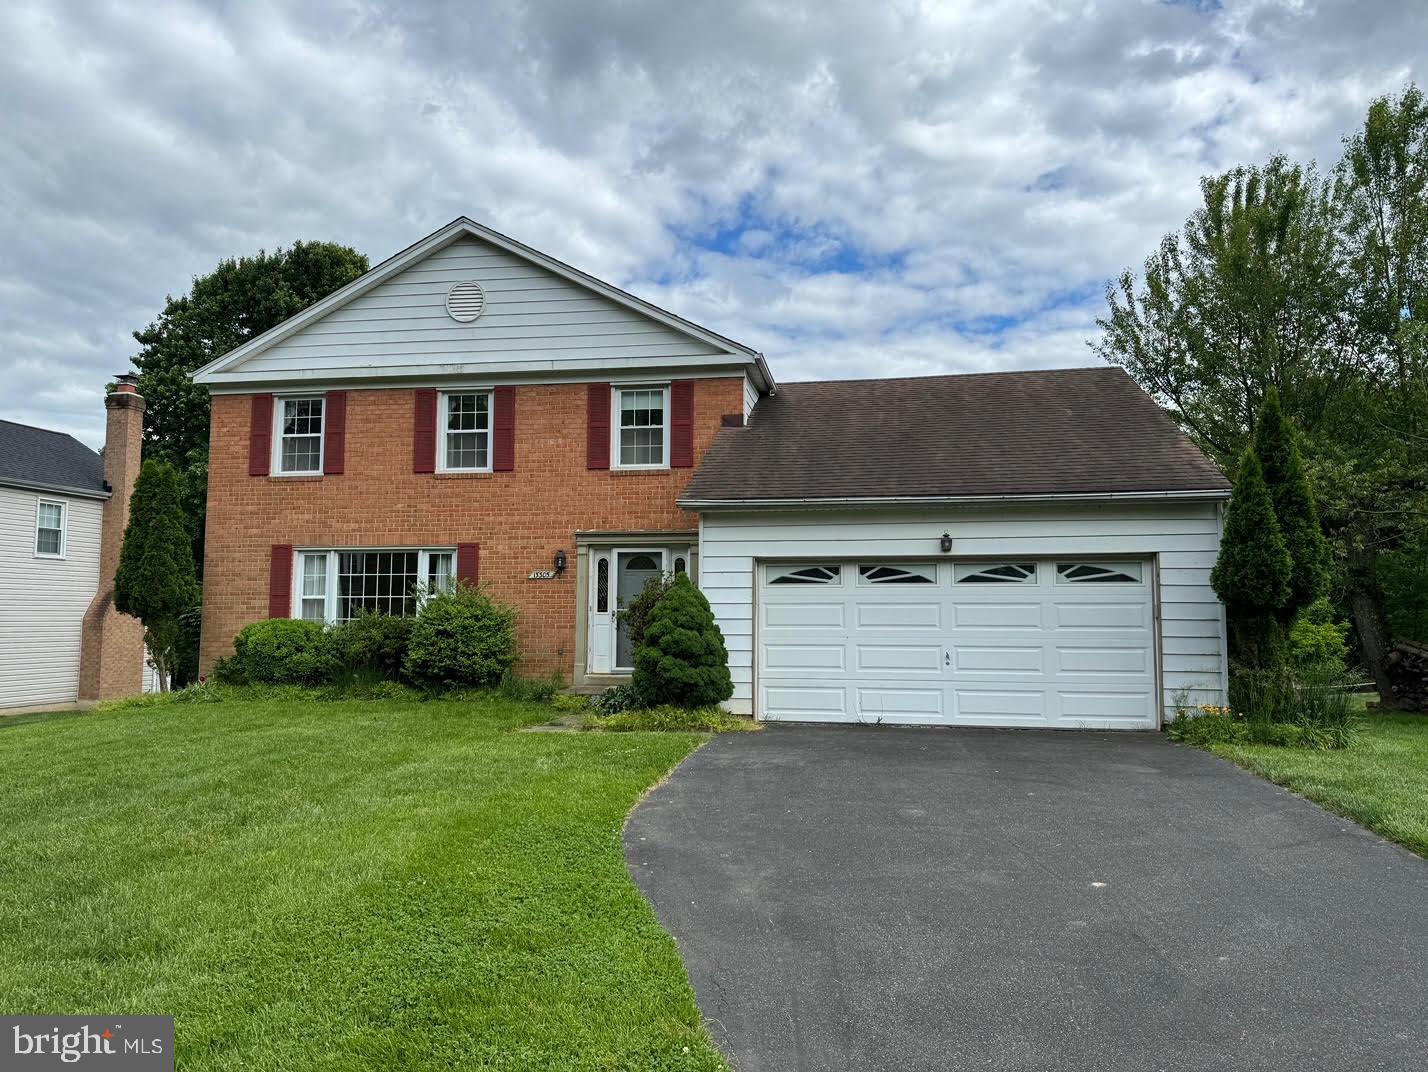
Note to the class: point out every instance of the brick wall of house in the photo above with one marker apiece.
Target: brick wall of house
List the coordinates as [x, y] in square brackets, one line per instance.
[519, 518]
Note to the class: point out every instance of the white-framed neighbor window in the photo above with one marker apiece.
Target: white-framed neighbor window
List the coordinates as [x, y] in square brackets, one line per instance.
[640, 424]
[337, 584]
[297, 437]
[465, 422]
[50, 517]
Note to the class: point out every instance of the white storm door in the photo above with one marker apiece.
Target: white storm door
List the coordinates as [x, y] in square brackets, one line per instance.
[600, 642]
[633, 570]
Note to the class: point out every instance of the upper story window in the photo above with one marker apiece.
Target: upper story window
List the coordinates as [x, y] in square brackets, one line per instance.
[49, 529]
[465, 420]
[299, 438]
[641, 427]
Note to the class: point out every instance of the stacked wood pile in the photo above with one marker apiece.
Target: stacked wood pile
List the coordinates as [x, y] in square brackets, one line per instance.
[1408, 670]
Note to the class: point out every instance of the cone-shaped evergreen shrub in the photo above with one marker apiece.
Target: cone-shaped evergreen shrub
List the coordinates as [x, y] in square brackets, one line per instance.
[1276, 445]
[155, 581]
[683, 661]
[1252, 574]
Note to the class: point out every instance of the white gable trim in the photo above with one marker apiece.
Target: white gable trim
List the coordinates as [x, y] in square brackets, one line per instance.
[224, 369]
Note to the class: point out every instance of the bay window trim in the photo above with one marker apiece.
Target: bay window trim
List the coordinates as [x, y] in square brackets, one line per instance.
[616, 391]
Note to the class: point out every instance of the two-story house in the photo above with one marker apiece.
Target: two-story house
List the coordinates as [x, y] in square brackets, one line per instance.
[1019, 549]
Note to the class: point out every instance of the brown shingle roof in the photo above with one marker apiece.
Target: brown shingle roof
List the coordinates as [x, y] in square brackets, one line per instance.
[1063, 431]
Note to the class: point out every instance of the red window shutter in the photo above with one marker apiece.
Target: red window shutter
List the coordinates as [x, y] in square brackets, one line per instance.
[260, 436]
[280, 581]
[424, 433]
[503, 428]
[334, 432]
[597, 426]
[468, 563]
[681, 424]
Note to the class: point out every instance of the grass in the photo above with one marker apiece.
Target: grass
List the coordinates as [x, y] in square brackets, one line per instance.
[673, 720]
[341, 885]
[1380, 780]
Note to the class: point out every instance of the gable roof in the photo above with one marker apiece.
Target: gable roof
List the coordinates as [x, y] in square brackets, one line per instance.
[223, 369]
[1065, 433]
[37, 458]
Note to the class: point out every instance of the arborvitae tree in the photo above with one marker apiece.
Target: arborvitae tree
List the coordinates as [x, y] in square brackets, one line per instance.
[1253, 571]
[155, 581]
[683, 660]
[1277, 448]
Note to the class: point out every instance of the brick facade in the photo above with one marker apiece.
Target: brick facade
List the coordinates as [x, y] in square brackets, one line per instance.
[111, 646]
[520, 518]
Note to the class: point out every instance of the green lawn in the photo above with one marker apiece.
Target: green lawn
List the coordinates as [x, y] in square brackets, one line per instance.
[1381, 780]
[341, 885]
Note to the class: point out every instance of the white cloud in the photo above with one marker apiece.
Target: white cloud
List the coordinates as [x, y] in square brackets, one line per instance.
[968, 165]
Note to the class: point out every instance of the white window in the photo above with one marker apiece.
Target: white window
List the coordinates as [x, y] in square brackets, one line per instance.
[641, 427]
[49, 529]
[466, 431]
[883, 574]
[1098, 573]
[299, 436]
[336, 585]
[995, 573]
[312, 580]
[829, 574]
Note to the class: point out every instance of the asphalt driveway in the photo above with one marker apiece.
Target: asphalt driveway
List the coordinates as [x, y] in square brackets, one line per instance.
[876, 898]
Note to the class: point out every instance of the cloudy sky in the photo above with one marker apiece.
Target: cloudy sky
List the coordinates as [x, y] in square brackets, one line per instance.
[864, 189]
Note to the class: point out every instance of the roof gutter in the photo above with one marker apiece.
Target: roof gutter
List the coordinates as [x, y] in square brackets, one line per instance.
[54, 489]
[955, 500]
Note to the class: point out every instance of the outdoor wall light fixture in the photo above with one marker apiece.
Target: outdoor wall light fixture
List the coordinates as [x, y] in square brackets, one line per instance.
[560, 562]
[946, 543]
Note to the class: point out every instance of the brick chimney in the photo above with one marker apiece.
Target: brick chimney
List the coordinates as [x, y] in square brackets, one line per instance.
[111, 653]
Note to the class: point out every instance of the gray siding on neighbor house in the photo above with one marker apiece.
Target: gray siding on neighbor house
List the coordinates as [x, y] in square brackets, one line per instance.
[43, 600]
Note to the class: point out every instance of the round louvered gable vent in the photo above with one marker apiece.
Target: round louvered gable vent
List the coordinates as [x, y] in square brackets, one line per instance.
[464, 301]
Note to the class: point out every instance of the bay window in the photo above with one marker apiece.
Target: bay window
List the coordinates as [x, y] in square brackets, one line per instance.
[337, 585]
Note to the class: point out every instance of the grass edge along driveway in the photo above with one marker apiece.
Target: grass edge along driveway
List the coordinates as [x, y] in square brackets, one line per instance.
[342, 885]
[1380, 781]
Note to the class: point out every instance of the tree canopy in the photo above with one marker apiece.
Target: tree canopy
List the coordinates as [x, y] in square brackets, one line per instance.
[240, 299]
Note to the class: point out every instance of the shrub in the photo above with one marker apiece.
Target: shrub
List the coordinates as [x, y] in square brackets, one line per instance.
[570, 703]
[683, 661]
[278, 651]
[1205, 727]
[1315, 637]
[1314, 697]
[462, 638]
[618, 699]
[372, 646]
[1253, 571]
[635, 618]
[1276, 445]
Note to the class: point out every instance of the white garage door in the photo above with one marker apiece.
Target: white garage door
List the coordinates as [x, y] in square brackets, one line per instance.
[1019, 642]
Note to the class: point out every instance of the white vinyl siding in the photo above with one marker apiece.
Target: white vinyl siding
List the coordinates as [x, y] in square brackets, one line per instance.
[43, 599]
[1180, 539]
[751, 395]
[530, 315]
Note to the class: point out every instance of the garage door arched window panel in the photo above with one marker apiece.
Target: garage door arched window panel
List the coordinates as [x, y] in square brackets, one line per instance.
[886, 574]
[1099, 573]
[995, 573]
[829, 574]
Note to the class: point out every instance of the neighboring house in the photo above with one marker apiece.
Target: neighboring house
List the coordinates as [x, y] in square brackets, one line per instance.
[63, 509]
[1006, 549]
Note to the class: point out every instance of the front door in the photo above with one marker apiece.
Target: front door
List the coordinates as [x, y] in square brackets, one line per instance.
[633, 569]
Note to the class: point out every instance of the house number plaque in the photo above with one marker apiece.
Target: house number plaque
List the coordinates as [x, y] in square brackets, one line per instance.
[542, 575]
